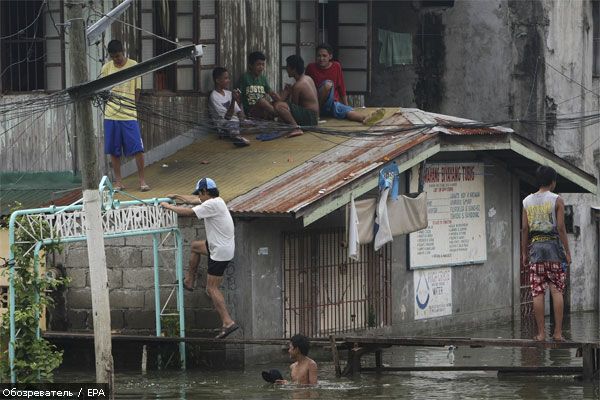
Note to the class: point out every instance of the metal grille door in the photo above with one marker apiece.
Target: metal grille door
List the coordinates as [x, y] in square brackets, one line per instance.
[327, 293]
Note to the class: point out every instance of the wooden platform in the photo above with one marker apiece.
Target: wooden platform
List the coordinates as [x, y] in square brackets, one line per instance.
[358, 346]
[175, 339]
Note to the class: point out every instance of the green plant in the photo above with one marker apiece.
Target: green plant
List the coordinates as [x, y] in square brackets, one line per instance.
[372, 317]
[169, 354]
[35, 358]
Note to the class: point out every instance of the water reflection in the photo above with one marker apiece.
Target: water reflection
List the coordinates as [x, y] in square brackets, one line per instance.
[248, 384]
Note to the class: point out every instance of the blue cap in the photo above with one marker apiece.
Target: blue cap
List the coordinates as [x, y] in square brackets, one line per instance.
[204, 183]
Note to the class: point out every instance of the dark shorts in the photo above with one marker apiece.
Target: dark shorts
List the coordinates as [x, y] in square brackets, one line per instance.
[216, 268]
[122, 137]
[303, 116]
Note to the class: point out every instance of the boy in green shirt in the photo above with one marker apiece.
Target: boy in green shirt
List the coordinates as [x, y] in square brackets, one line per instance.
[254, 87]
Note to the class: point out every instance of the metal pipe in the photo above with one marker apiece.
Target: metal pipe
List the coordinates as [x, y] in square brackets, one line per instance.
[155, 243]
[180, 304]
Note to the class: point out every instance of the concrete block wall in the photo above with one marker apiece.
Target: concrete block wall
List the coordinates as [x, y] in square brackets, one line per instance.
[130, 270]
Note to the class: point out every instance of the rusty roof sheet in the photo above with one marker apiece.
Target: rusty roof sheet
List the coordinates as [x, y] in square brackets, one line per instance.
[340, 165]
[325, 173]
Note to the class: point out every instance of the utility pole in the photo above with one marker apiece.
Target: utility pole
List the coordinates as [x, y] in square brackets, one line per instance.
[88, 164]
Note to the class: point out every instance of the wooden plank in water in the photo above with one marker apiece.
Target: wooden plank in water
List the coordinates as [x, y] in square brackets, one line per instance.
[462, 341]
[503, 370]
[175, 339]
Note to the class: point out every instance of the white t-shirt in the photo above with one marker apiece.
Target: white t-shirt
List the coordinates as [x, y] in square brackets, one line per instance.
[218, 105]
[219, 228]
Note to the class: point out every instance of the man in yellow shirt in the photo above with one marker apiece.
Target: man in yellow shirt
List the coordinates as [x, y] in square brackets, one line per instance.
[121, 129]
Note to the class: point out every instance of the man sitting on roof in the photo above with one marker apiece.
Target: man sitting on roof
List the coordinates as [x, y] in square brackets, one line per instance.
[299, 104]
[224, 109]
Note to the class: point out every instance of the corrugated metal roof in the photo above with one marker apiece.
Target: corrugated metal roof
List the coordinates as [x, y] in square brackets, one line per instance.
[325, 173]
[342, 164]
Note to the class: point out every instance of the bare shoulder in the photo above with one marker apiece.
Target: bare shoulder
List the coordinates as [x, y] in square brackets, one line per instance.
[312, 363]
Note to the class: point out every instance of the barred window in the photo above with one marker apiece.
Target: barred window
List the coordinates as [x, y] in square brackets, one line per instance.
[185, 23]
[343, 24]
[31, 46]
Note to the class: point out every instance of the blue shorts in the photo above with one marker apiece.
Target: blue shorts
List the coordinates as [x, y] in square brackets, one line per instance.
[332, 107]
[122, 135]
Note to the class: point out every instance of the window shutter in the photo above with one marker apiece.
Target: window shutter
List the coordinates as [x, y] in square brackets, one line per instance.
[147, 41]
[208, 38]
[185, 37]
[54, 46]
[354, 44]
[298, 32]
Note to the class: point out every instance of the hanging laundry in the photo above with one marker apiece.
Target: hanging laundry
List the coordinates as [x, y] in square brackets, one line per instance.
[365, 211]
[383, 231]
[389, 177]
[407, 214]
[396, 48]
[353, 244]
[364, 222]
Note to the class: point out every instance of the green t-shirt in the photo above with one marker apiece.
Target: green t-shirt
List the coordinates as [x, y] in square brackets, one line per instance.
[253, 89]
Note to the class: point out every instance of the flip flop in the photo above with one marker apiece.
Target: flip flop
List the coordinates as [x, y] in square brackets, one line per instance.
[264, 137]
[560, 339]
[227, 331]
[119, 188]
[144, 188]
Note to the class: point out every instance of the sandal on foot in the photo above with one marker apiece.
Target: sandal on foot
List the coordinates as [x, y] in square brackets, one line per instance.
[560, 339]
[144, 188]
[227, 331]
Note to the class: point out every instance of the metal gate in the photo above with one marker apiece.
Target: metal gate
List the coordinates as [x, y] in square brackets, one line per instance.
[327, 293]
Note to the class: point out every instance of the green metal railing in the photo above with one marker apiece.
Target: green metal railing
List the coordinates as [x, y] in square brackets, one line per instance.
[109, 203]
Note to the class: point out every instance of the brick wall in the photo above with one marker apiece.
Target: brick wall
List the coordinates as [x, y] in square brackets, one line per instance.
[129, 263]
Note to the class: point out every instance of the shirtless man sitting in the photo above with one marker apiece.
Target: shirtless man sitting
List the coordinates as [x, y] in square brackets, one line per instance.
[304, 369]
[299, 105]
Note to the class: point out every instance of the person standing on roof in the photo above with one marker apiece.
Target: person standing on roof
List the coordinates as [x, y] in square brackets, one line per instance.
[122, 134]
[545, 249]
[219, 245]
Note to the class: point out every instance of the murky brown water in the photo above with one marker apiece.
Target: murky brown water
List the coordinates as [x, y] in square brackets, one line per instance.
[202, 384]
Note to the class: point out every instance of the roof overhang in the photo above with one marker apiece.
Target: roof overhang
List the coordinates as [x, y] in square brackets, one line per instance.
[522, 157]
[596, 213]
[518, 154]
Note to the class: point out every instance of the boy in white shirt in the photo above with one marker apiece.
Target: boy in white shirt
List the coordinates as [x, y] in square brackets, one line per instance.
[224, 109]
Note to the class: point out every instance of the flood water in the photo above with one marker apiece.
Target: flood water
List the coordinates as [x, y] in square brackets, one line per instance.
[248, 384]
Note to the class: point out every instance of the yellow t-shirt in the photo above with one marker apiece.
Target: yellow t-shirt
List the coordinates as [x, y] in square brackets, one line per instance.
[123, 110]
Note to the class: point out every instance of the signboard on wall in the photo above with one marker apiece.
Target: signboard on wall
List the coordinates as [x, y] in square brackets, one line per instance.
[433, 293]
[456, 214]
